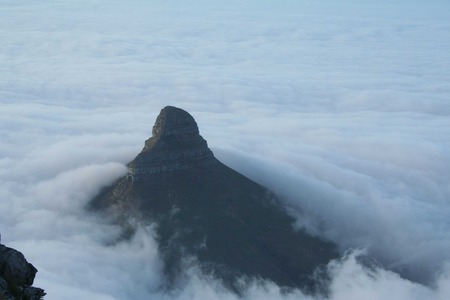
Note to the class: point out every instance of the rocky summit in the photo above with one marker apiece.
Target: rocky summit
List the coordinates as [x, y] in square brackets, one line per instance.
[232, 227]
[175, 146]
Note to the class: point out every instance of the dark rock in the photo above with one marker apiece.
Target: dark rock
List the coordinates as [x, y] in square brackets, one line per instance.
[18, 274]
[3, 284]
[33, 293]
[203, 209]
[5, 294]
[175, 145]
[15, 268]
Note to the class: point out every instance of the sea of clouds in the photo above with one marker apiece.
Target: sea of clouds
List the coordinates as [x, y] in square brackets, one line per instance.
[343, 109]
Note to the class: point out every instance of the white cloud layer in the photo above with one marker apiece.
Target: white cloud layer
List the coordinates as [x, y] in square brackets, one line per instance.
[341, 108]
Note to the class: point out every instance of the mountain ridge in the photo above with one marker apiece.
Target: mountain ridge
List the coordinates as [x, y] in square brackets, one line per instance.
[233, 226]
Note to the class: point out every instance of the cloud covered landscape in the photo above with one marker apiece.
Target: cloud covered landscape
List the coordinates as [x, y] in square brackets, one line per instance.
[341, 109]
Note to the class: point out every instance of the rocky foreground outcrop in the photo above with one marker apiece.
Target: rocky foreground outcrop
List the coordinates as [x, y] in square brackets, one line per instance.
[17, 276]
[206, 212]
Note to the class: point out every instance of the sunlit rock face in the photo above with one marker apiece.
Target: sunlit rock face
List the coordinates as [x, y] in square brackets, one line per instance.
[202, 209]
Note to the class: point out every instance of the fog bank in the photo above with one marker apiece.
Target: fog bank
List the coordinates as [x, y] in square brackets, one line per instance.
[340, 108]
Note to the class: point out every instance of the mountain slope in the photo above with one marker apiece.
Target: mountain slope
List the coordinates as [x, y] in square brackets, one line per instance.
[203, 209]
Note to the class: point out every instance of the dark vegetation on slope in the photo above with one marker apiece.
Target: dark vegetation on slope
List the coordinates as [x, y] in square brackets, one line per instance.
[230, 225]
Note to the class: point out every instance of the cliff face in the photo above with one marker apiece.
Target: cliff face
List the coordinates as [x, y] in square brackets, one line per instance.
[176, 145]
[204, 210]
[17, 276]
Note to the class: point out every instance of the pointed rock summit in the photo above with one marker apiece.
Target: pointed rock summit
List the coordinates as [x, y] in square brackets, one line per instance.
[231, 226]
[176, 145]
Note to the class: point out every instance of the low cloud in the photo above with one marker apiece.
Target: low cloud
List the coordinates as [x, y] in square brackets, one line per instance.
[341, 109]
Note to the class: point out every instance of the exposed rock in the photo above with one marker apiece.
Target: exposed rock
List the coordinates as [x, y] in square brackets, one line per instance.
[3, 284]
[203, 209]
[15, 268]
[33, 293]
[17, 276]
[5, 294]
[175, 145]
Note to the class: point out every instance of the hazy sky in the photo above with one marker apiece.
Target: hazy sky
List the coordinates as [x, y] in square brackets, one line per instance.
[341, 108]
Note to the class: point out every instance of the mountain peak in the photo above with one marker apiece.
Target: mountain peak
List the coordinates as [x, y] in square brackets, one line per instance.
[174, 121]
[175, 124]
[233, 226]
[175, 145]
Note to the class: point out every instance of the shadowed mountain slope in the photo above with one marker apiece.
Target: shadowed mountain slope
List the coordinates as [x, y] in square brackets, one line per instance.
[204, 209]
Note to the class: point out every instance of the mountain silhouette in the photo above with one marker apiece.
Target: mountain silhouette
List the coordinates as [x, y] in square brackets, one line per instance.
[205, 211]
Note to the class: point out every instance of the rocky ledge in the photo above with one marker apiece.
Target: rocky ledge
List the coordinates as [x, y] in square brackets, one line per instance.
[17, 276]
